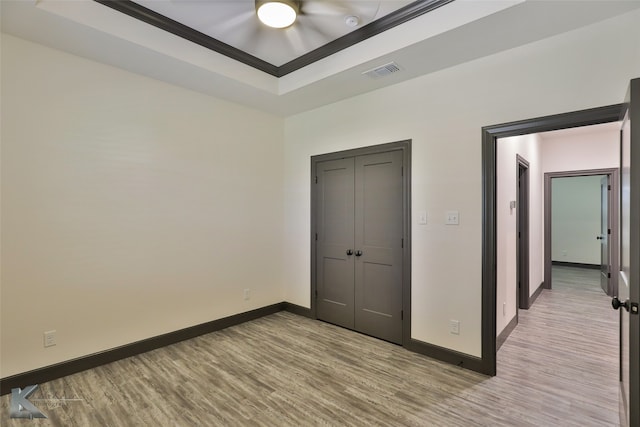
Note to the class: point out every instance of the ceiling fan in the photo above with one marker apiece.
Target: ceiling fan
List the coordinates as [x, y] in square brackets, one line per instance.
[236, 22]
[283, 13]
[312, 24]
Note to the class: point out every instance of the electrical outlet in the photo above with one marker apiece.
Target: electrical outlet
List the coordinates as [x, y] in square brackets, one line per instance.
[454, 327]
[247, 294]
[49, 338]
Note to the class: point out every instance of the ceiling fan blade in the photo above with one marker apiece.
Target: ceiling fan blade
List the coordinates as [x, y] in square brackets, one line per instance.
[234, 22]
[323, 8]
[364, 8]
[296, 41]
[249, 37]
[318, 34]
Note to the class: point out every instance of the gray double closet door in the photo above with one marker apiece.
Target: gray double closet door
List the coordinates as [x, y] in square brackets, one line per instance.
[359, 243]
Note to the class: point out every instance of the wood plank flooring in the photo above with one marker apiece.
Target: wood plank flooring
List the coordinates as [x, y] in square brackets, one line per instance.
[558, 368]
[565, 348]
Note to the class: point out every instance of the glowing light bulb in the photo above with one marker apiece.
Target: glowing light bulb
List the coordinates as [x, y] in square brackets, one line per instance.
[277, 14]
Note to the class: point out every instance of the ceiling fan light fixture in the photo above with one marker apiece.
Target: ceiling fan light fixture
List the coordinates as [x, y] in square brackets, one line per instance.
[277, 13]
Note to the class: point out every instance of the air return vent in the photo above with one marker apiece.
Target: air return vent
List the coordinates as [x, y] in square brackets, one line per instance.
[383, 70]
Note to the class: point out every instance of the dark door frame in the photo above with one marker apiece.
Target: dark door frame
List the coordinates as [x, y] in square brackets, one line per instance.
[490, 134]
[612, 173]
[522, 228]
[405, 147]
[629, 265]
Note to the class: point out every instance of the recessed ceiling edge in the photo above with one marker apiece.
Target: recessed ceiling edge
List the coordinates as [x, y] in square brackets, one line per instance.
[387, 22]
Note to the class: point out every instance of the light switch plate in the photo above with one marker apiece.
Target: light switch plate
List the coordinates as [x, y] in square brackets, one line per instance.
[454, 327]
[452, 218]
[422, 217]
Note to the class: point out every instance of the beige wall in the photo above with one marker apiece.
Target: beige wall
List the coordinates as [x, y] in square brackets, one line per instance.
[443, 114]
[597, 148]
[528, 147]
[130, 207]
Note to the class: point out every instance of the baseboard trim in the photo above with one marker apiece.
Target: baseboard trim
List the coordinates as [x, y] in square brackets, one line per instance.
[69, 367]
[73, 366]
[502, 337]
[446, 355]
[576, 265]
[297, 309]
[536, 294]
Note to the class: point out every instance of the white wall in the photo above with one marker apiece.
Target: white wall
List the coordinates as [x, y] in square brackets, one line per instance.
[528, 147]
[593, 147]
[443, 114]
[130, 208]
[575, 219]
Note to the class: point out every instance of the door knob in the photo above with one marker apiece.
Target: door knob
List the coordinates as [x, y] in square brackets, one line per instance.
[599, 237]
[349, 252]
[616, 304]
[358, 253]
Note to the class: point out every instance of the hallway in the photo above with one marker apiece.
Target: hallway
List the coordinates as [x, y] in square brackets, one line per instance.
[564, 352]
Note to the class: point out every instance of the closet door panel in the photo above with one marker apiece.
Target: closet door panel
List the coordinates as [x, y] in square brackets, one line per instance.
[335, 227]
[378, 244]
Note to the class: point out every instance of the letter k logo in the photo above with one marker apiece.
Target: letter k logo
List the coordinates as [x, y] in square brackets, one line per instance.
[20, 407]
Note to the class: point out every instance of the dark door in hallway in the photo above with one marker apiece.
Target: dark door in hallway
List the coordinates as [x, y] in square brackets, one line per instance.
[522, 221]
[359, 243]
[605, 231]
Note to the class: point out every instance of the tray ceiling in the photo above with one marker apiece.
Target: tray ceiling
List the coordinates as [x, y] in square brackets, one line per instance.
[456, 33]
[231, 27]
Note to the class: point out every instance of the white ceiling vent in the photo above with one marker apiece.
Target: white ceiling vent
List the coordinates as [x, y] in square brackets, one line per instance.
[383, 70]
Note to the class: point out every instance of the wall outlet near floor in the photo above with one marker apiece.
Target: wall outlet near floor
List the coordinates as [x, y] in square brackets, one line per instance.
[49, 338]
[247, 294]
[454, 327]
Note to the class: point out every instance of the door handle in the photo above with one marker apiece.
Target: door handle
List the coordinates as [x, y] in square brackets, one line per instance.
[616, 304]
[358, 253]
[599, 237]
[349, 252]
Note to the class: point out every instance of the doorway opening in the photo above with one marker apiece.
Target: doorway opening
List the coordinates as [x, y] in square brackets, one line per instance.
[489, 196]
[595, 199]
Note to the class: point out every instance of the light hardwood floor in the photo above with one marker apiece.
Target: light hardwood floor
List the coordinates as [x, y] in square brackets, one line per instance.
[558, 368]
